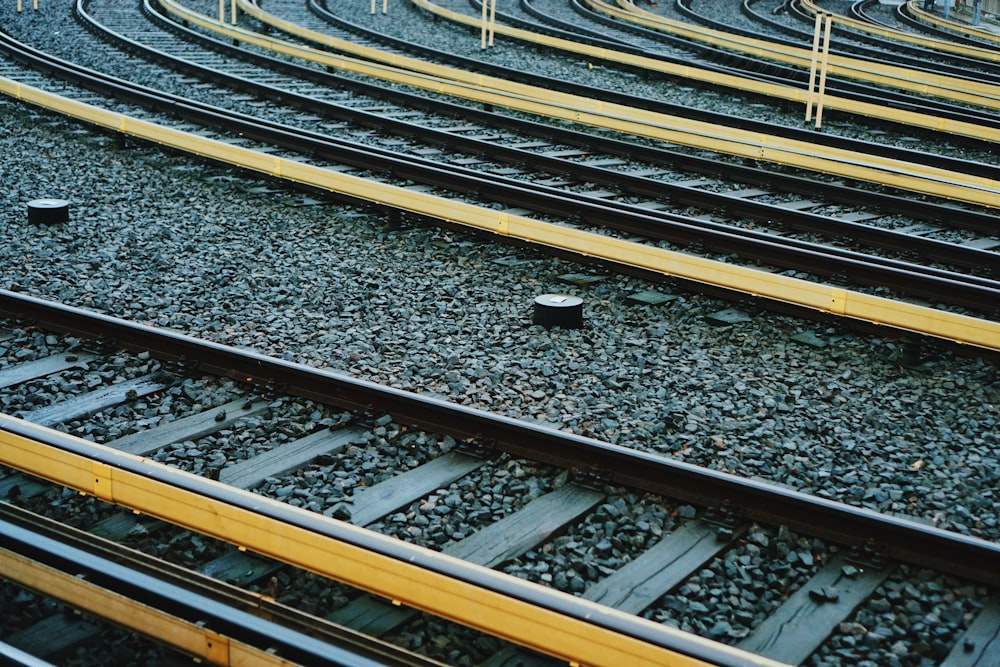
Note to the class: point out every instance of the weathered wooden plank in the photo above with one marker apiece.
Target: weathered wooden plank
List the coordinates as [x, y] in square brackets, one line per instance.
[980, 645]
[240, 568]
[375, 502]
[372, 615]
[641, 582]
[495, 544]
[188, 428]
[279, 460]
[528, 527]
[53, 636]
[118, 526]
[94, 401]
[19, 485]
[811, 614]
[32, 370]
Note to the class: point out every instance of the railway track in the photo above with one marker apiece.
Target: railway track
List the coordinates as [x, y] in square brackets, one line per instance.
[627, 218]
[972, 255]
[794, 25]
[202, 616]
[590, 176]
[905, 19]
[883, 91]
[383, 468]
[596, 549]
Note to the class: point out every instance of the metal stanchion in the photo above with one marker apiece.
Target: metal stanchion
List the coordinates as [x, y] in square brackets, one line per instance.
[222, 11]
[233, 20]
[493, 19]
[482, 42]
[822, 71]
[817, 31]
[488, 24]
[817, 64]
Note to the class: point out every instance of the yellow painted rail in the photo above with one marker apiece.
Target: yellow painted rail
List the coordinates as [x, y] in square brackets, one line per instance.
[921, 40]
[796, 94]
[955, 26]
[855, 305]
[191, 638]
[909, 176]
[309, 542]
[976, 93]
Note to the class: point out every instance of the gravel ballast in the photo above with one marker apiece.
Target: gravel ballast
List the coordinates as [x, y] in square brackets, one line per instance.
[175, 243]
[178, 243]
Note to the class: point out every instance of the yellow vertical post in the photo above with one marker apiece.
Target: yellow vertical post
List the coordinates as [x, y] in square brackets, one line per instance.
[222, 11]
[483, 22]
[812, 66]
[35, 5]
[373, 6]
[822, 70]
[385, 6]
[493, 19]
[19, 5]
[233, 18]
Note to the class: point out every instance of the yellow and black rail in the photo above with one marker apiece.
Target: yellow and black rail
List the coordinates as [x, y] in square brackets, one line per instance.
[890, 172]
[798, 293]
[779, 91]
[905, 37]
[555, 623]
[561, 625]
[966, 91]
[199, 616]
[914, 9]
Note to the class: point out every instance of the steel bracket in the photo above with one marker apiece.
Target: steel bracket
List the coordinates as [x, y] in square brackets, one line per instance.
[477, 447]
[725, 517]
[870, 554]
[593, 478]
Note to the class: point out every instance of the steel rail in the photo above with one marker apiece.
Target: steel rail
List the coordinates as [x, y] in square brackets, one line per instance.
[899, 113]
[965, 90]
[913, 9]
[213, 621]
[872, 43]
[795, 293]
[945, 31]
[898, 538]
[943, 286]
[319, 7]
[539, 618]
[922, 210]
[749, 67]
[924, 42]
[14, 656]
[674, 129]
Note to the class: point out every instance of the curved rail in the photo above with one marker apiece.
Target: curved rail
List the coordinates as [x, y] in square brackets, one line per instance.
[890, 33]
[913, 9]
[922, 281]
[967, 91]
[800, 293]
[862, 107]
[673, 129]
[901, 539]
[202, 617]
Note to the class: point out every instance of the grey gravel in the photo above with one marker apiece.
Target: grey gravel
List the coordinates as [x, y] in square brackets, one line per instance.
[170, 241]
